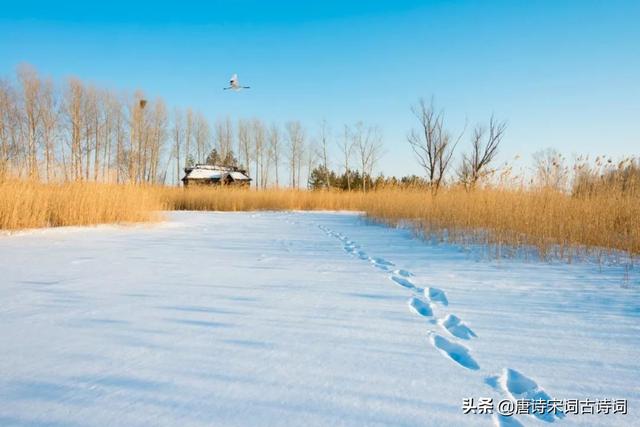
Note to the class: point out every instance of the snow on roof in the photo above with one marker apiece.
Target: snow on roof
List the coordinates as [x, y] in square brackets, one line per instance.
[198, 173]
[239, 176]
[215, 173]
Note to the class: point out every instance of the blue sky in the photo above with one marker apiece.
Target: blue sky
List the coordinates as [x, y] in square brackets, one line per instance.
[563, 74]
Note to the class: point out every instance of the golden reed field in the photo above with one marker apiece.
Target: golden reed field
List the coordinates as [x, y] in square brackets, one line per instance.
[548, 220]
[26, 204]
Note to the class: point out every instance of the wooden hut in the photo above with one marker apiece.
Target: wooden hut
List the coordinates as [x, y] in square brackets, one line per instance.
[215, 175]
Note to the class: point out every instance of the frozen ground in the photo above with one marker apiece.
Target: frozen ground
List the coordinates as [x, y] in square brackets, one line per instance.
[301, 319]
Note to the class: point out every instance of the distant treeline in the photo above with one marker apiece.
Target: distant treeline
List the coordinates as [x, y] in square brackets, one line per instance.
[322, 178]
[75, 131]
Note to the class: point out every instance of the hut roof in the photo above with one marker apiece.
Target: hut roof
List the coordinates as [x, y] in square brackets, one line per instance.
[215, 173]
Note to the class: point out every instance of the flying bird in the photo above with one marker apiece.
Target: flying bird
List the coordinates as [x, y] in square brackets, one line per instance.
[234, 84]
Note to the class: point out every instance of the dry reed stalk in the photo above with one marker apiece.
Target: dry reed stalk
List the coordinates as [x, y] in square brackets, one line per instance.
[546, 219]
[27, 204]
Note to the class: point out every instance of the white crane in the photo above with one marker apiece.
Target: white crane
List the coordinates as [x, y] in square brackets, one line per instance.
[234, 84]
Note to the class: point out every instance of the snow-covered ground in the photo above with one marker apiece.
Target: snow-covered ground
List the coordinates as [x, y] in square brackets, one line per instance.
[301, 319]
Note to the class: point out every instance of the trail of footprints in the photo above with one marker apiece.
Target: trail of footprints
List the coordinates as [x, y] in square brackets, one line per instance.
[431, 303]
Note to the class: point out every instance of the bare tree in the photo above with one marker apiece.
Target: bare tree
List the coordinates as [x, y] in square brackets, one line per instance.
[49, 116]
[368, 144]
[97, 119]
[188, 135]
[74, 101]
[120, 136]
[295, 137]
[31, 93]
[178, 135]
[9, 127]
[274, 149]
[323, 150]
[202, 134]
[224, 137]
[157, 137]
[312, 156]
[484, 149]
[258, 150]
[262, 153]
[432, 144]
[244, 143]
[137, 136]
[266, 159]
[109, 110]
[346, 148]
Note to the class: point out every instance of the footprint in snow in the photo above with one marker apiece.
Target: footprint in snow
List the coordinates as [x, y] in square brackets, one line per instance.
[419, 307]
[381, 267]
[518, 386]
[436, 295]
[457, 327]
[403, 273]
[405, 283]
[363, 255]
[381, 261]
[456, 352]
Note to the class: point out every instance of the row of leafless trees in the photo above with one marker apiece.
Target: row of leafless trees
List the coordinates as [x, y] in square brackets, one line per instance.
[265, 150]
[76, 131]
[434, 145]
[79, 132]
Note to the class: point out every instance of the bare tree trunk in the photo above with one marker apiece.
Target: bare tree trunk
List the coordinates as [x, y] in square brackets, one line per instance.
[202, 134]
[188, 135]
[224, 138]
[159, 136]
[244, 143]
[324, 151]
[295, 136]
[274, 145]
[31, 93]
[177, 140]
[49, 125]
[9, 124]
[346, 147]
[73, 108]
[258, 139]
[120, 139]
[96, 129]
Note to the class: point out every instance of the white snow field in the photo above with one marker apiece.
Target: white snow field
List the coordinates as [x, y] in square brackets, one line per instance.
[300, 319]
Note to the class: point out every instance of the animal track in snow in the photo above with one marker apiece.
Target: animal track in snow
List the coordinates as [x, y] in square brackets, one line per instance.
[436, 295]
[456, 352]
[457, 327]
[518, 386]
[419, 307]
[405, 283]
